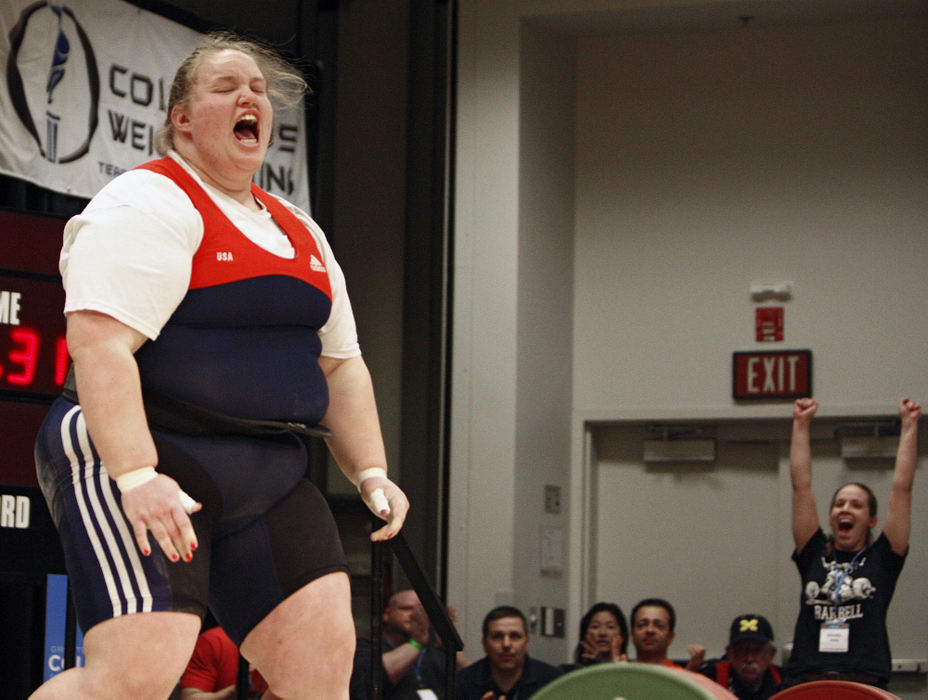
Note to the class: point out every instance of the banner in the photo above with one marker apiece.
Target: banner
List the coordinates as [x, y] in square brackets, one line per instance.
[86, 88]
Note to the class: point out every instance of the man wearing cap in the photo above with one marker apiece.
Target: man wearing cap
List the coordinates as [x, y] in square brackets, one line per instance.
[746, 670]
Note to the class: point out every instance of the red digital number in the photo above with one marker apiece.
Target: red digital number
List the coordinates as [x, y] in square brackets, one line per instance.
[25, 355]
[27, 366]
[61, 361]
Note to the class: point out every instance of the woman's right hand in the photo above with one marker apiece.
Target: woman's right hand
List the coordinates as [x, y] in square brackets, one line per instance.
[588, 650]
[804, 409]
[160, 506]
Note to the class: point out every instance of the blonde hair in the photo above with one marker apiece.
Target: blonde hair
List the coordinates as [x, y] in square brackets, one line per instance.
[285, 85]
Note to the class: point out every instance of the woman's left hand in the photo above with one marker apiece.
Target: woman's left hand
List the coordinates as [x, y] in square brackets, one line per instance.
[386, 500]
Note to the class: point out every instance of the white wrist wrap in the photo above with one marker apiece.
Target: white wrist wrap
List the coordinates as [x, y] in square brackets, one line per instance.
[367, 473]
[136, 477]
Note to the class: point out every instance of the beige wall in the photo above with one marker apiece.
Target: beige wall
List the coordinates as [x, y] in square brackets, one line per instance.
[712, 161]
[695, 164]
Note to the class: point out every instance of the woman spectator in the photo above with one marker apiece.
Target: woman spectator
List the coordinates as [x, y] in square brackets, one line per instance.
[603, 636]
[848, 578]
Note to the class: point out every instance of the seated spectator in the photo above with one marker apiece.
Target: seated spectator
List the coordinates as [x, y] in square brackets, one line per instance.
[603, 637]
[212, 671]
[411, 662]
[506, 671]
[653, 622]
[746, 670]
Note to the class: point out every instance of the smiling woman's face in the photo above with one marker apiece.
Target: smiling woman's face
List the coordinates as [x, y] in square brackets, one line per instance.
[602, 629]
[850, 518]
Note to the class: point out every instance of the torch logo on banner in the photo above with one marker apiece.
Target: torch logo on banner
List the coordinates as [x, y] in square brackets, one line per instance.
[66, 135]
[55, 74]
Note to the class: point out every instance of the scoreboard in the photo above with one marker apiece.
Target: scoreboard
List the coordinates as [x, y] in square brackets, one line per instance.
[33, 354]
[33, 365]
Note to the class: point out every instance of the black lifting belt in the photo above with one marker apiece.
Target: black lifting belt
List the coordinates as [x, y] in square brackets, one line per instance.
[178, 416]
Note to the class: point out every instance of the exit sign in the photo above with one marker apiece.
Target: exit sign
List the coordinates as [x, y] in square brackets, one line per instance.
[785, 374]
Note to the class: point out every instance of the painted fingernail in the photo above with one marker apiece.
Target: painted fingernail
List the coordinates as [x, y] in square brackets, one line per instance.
[174, 557]
[193, 546]
[189, 557]
[146, 552]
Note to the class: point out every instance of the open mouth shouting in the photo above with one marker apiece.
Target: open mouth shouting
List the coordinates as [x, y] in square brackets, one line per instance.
[246, 129]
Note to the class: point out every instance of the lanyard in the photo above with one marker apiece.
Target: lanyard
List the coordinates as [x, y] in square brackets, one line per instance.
[418, 662]
[419, 669]
[840, 581]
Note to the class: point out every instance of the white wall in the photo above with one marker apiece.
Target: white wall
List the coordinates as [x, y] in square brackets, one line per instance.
[545, 305]
[702, 162]
[714, 538]
[704, 536]
[481, 532]
[706, 162]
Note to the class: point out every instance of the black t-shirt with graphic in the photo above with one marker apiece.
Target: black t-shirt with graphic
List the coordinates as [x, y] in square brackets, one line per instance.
[865, 582]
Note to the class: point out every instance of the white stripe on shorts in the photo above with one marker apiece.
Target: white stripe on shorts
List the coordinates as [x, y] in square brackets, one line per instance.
[82, 464]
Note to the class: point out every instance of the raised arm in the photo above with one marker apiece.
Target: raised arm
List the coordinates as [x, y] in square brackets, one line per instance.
[805, 514]
[357, 443]
[111, 401]
[899, 512]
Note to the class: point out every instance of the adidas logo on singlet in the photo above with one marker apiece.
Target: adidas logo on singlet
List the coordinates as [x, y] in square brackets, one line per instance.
[315, 265]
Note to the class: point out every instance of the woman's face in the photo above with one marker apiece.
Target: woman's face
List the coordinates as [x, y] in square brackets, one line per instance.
[226, 125]
[850, 518]
[603, 629]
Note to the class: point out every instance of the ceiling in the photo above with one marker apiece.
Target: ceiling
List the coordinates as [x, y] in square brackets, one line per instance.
[278, 25]
[714, 15]
[275, 22]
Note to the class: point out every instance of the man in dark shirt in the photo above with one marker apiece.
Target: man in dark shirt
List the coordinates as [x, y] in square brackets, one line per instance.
[506, 670]
[413, 667]
[746, 670]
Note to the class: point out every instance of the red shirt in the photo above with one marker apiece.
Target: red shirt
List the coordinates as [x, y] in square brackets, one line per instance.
[214, 664]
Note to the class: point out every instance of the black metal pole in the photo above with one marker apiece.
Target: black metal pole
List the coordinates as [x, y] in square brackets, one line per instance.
[438, 616]
[377, 569]
[242, 685]
[70, 628]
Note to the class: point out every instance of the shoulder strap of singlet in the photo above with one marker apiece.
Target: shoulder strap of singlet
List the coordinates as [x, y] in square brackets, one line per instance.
[281, 214]
[298, 233]
[174, 170]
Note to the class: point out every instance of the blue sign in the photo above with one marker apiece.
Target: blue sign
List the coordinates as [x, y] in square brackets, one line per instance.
[55, 611]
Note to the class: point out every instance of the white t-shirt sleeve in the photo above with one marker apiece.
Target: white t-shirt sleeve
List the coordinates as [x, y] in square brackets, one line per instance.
[129, 253]
[339, 335]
